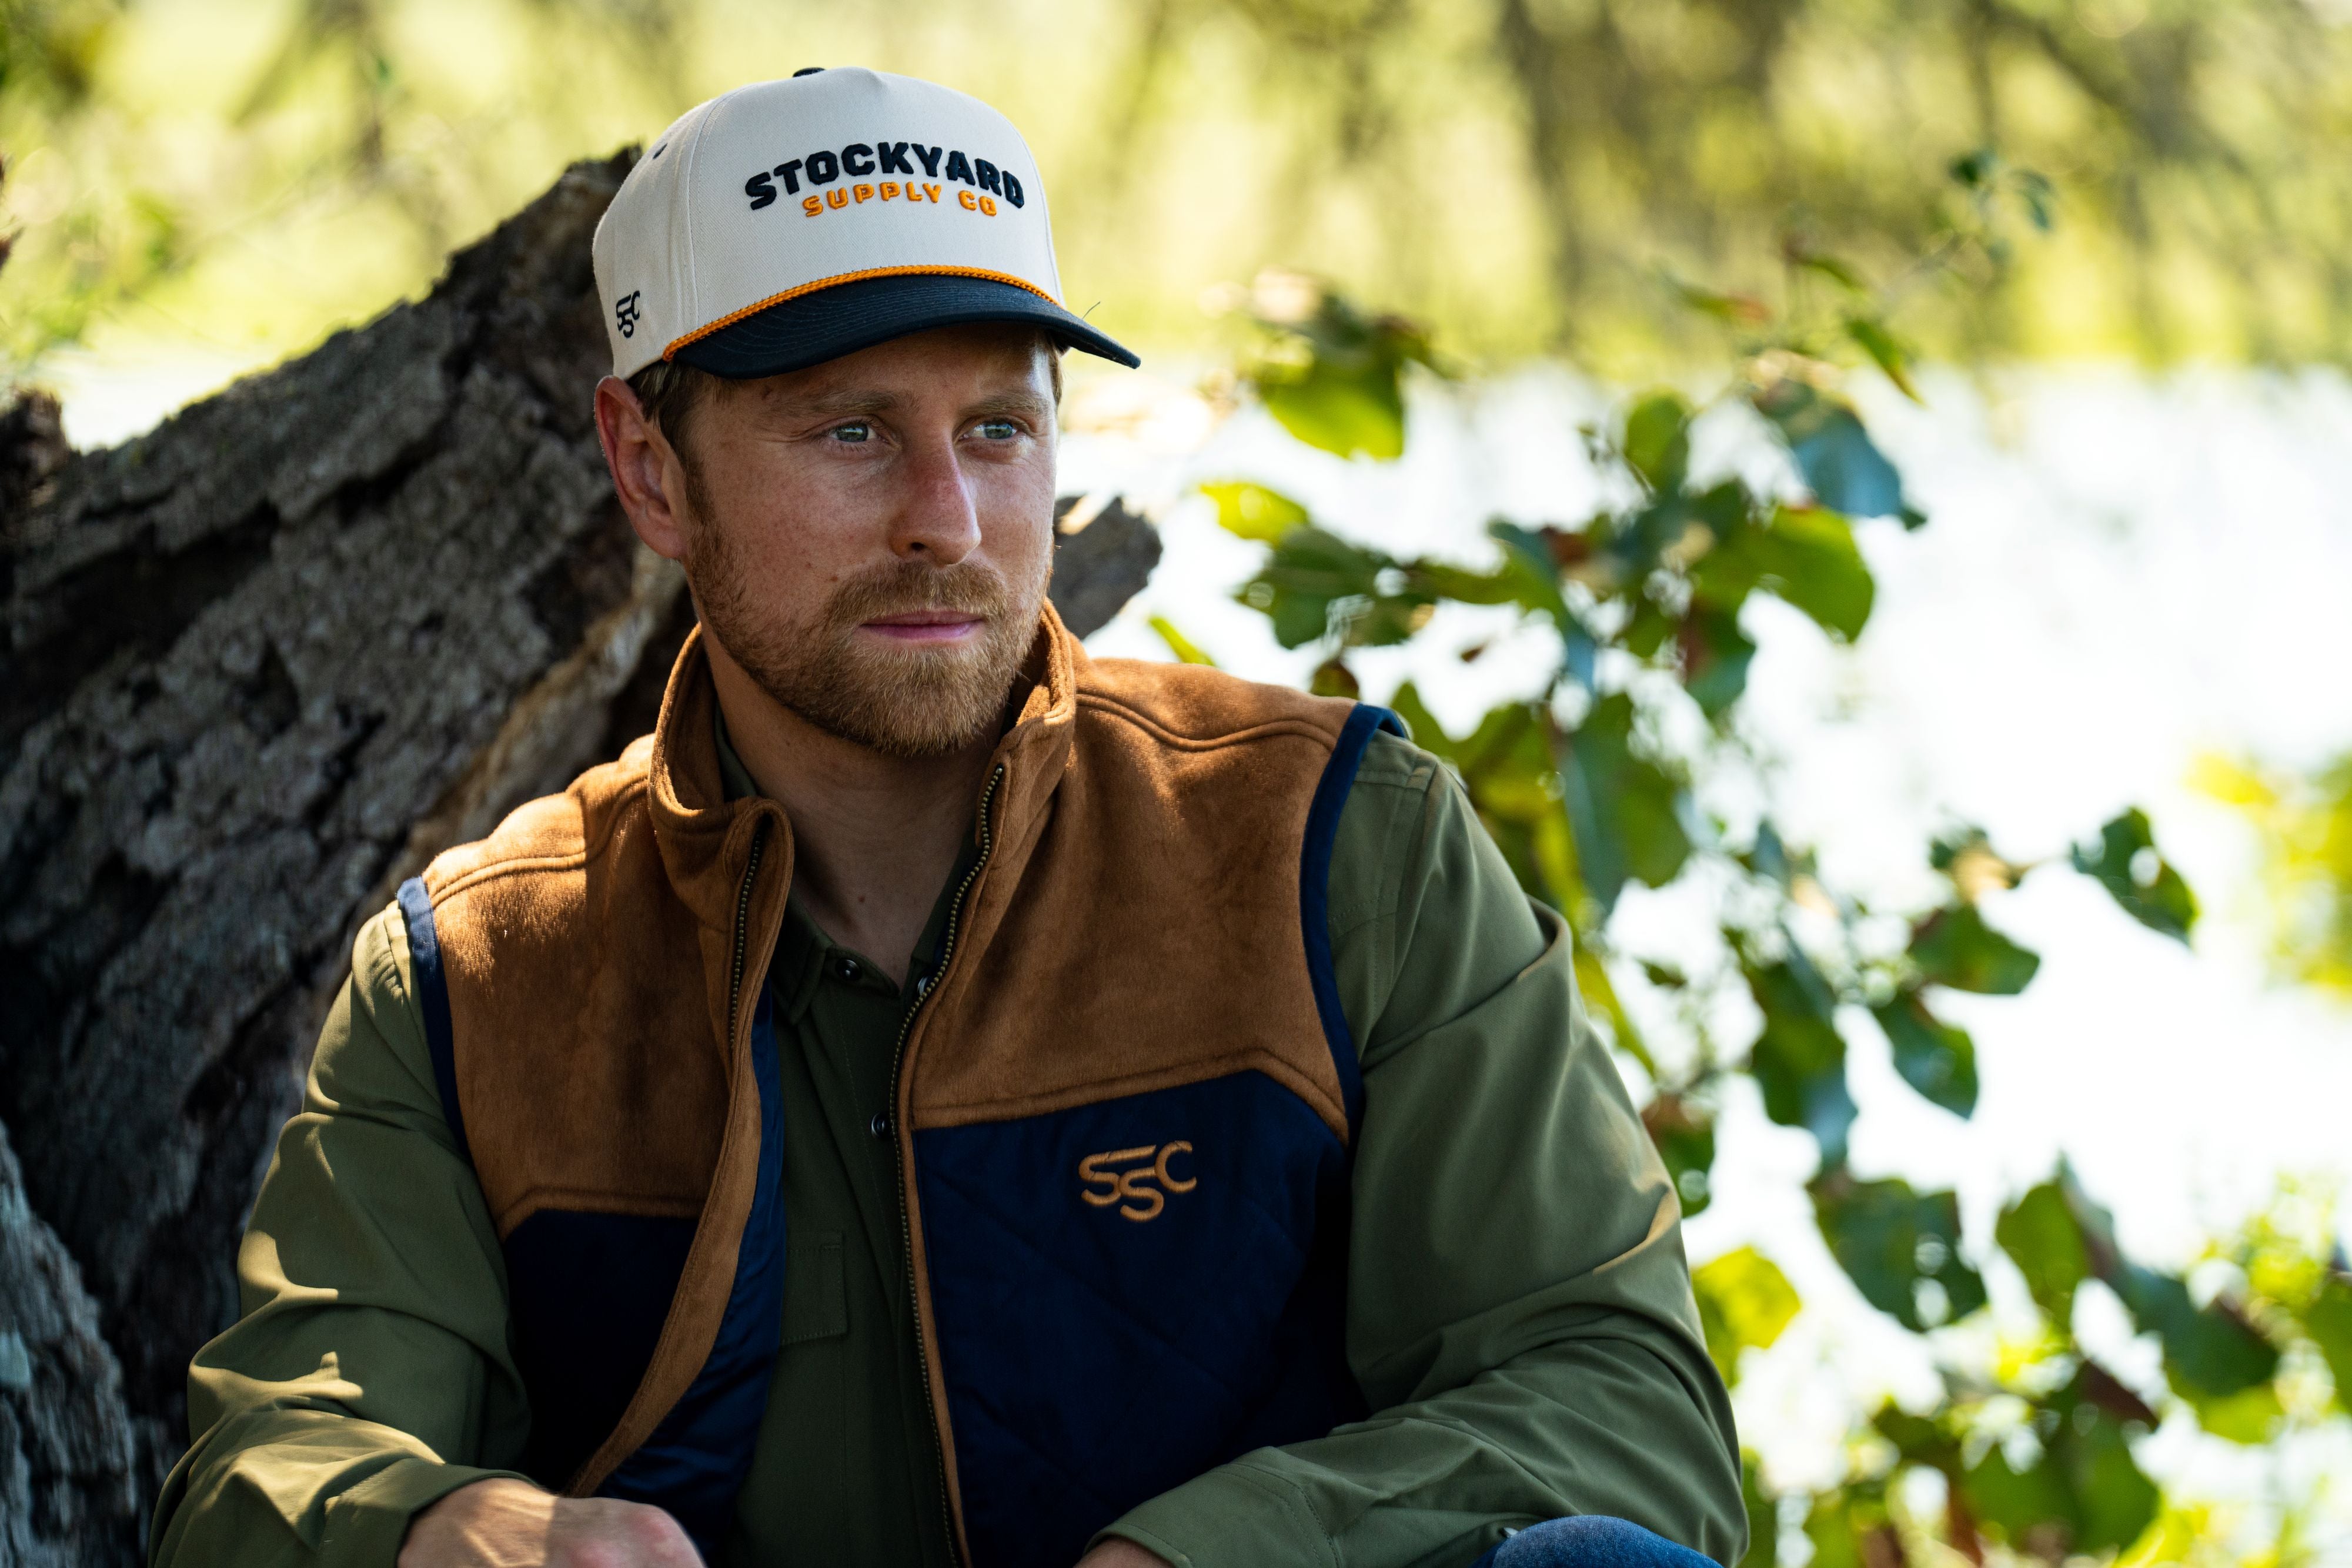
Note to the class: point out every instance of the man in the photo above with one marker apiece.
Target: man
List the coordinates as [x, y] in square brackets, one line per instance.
[942, 1100]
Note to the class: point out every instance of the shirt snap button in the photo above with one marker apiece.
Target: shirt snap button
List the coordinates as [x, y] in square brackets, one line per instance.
[879, 1126]
[845, 969]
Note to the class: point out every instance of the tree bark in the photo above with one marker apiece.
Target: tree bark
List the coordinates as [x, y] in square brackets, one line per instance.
[261, 664]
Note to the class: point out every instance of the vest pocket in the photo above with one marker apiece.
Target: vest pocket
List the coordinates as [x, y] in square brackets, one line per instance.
[816, 1293]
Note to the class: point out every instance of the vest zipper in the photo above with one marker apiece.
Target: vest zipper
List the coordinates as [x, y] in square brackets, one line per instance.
[923, 989]
[744, 930]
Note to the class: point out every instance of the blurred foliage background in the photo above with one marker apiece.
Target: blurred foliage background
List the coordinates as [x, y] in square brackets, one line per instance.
[1766, 199]
[1524, 176]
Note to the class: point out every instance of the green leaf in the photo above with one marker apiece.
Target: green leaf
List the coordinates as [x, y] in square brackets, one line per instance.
[1798, 1059]
[1184, 647]
[1253, 511]
[2115, 1500]
[1807, 556]
[2058, 1238]
[1933, 1058]
[1334, 679]
[1744, 1301]
[1341, 412]
[1716, 655]
[2084, 1493]
[2328, 1321]
[1657, 440]
[1684, 1133]
[1954, 947]
[2125, 861]
[1849, 1528]
[1919, 1440]
[2211, 1352]
[2042, 1238]
[1334, 378]
[2251, 1415]
[1621, 806]
[1316, 584]
[1884, 352]
[1843, 467]
[1528, 578]
[1892, 1242]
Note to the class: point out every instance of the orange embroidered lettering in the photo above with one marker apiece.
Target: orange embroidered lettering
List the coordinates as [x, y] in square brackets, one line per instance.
[813, 205]
[933, 192]
[863, 193]
[1134, 1190]
[1136, 1187]
[988, 205]
[1090, 1171]
[836, 198]
[890, 190]
[971, 202]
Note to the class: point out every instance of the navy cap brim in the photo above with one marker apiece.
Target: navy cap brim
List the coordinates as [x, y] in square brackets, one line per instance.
[827, 323]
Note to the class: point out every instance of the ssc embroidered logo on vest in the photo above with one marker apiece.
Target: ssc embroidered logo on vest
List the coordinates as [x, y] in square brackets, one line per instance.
[1134, 1190]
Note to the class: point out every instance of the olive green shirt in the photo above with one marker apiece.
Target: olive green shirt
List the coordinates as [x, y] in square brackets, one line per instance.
[1519, 1310]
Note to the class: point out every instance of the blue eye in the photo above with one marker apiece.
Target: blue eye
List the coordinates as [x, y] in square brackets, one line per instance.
[855, 431]
[999, 429]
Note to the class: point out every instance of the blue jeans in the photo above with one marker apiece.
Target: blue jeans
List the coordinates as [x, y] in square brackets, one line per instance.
[1591, 1540]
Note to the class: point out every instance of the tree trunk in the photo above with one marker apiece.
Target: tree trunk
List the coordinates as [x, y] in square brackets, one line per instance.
[260, 666]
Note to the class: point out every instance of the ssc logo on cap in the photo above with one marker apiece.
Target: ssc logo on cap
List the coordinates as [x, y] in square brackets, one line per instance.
[951, 227]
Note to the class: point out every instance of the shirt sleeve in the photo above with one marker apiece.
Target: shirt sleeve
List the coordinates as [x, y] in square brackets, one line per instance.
[1520, 1315]
[370, 1374]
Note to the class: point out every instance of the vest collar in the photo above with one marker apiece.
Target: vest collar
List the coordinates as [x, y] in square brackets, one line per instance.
[1037, 750]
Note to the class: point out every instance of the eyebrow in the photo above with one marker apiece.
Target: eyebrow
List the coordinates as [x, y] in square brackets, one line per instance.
[1023, 402]
[834, 405]
[851, 404]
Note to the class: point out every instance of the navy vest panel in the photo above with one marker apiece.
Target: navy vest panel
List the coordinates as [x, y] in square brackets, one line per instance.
[1128, 1294]
[696, 1461]
[588, 1293]
[586, 1296]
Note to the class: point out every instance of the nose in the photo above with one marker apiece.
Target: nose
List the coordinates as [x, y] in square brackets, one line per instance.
[937, 518]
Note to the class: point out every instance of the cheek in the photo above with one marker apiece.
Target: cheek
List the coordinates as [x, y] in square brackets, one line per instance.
[1017, 518]
[780, 558]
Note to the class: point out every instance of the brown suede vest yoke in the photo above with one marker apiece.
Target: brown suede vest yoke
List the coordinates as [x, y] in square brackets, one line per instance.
[1133, 930]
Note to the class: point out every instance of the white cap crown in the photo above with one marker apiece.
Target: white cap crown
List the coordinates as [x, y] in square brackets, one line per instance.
[779, 189]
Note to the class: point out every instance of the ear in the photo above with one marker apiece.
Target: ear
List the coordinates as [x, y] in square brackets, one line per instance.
[647, 473]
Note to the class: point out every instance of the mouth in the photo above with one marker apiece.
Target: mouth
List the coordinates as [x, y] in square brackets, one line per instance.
[926, 627]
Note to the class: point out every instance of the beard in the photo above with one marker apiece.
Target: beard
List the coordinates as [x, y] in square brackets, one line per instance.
[912, 702]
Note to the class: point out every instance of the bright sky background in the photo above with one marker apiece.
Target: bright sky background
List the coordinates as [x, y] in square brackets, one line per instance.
[2121, 574]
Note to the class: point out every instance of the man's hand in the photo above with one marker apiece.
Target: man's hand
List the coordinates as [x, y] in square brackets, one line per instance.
[1111, 1553]
[508, 1523]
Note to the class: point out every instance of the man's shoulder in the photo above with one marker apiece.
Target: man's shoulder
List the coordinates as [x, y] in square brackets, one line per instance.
[553, 833]
[1192, 706]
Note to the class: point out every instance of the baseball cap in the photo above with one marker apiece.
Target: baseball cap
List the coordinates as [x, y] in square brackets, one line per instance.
[788, 222]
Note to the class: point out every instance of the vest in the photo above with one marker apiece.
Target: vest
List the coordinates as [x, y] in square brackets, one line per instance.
[1124, 1104]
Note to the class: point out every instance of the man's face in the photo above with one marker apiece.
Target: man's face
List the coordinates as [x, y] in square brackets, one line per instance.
[870, 539]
